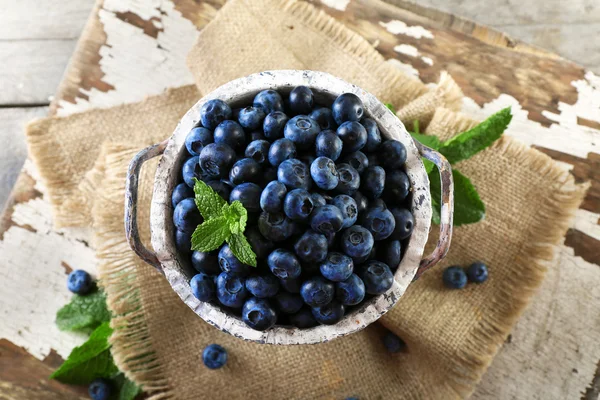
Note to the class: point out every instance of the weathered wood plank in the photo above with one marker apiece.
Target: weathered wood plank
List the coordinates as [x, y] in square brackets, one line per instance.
[13, 149]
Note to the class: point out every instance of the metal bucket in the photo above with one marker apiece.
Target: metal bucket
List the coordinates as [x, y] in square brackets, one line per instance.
[241, 91]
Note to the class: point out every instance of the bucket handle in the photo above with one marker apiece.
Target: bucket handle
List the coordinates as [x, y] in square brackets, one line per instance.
[131, 198]
[447, 209]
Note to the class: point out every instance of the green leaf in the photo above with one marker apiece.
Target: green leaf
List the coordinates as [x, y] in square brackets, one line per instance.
[242, 250]
[427, 140]
[416, 127]
[211, 234]
[391, 107]
[83, 312]
[237, 216]
[468, 207]
[126, 389]
[207, 200]
[89, 361]
[467, 144]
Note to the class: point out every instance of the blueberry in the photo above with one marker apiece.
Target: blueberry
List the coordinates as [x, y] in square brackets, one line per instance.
[294, 174]
[190, 170]
[273, 125]
[232, 134]
[329, 314]
[251, 117]
[181, 191]
[347, 107]
[207, 263]
[222, 188]
[248, 194]
[405, 222]
[390, 252]
[203, 287]
[231, 291]
[318, 199]
[271, 198]
[262, 286]
[358, 160]
[347, 205]
[281, 150]
[261, 245]
[397, 186]
[288, 303]
[357, 242]
[197, 139]
[216, 159]
[311, 247]
[213, 112]
[301, 100]
[245, 170]
[329, 145]
[258, 314]
[353, 135]
[393, 343]
[477, 272]
[362, 203]
[324, 117]
[327, 219]
[275, 226]
[302, 130]
[377, 277]
[337, 267]
[80, 282]
[269, 100]
[230, 264]
[373, 135]
[392, 154]
[324, 173]
[351, 291]
[303, 319]
[100, 389]
[349, 179]
[374, 159]
[372, 182]
[258, 150]
[317, 291]
[186, 216]
[298, 204]
[291, 285]
[183, 241]
[284, 264]
[214, 356]
[379, 222]
[257, 135]
[454, 277]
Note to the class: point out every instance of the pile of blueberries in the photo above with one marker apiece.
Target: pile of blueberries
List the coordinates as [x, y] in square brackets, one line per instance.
[327, 200]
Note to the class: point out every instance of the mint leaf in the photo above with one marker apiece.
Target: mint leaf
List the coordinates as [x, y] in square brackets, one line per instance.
[207, 200]
[391, 107]
[126, 389]
[468, 207]
[211, 234]
[237, 216]
[427, 140]
[471, 142]
[83, 312]
[242, 250]
[89, 361]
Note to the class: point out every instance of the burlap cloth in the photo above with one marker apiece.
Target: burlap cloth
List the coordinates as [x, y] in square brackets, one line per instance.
[452, 336]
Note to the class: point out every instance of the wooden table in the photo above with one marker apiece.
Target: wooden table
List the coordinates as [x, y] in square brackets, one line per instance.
[130, 49]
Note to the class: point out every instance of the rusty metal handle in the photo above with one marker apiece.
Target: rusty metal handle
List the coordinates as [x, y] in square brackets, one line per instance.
[447, 202]
[131, 198]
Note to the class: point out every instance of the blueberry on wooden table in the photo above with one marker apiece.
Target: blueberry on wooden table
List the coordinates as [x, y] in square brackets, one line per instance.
[214, 356]
[100, 389]
[80, 282]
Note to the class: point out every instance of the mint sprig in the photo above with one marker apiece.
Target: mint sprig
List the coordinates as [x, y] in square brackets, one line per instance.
[468, 206]
[223, 222]
[83, 313]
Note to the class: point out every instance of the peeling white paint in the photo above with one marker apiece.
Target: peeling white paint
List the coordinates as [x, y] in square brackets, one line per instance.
[135, 64]
[337, 4]
[406, 68]
[427, 60]
[588, 222]
[407, 49]
[397, 27]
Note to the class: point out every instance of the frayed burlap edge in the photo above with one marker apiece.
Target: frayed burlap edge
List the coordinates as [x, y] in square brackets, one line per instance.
[132, 346]
[554, 217]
